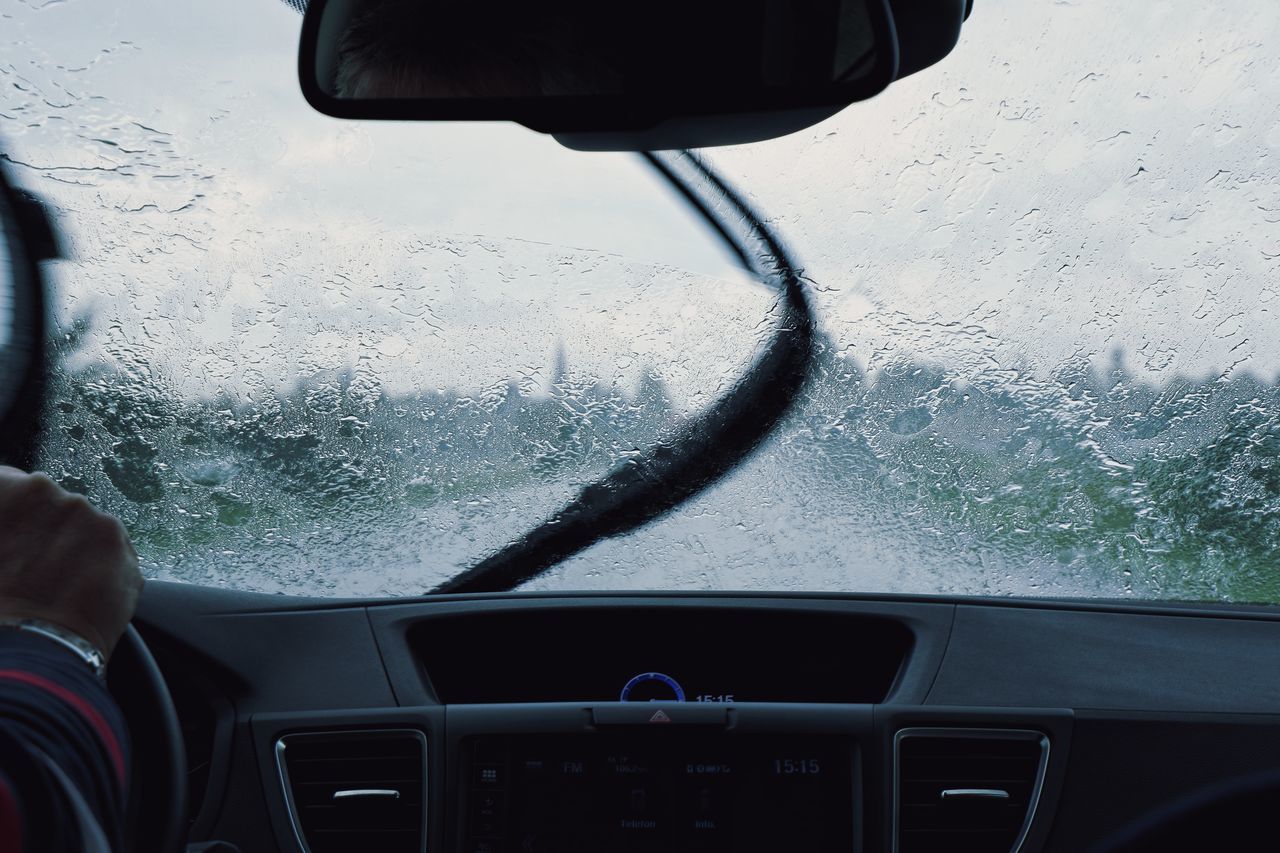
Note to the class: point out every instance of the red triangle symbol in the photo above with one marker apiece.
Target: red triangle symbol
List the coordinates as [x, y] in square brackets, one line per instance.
[659, 716]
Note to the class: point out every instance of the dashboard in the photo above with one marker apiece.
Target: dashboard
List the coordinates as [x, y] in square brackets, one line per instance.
[696, 654]
[574, 723]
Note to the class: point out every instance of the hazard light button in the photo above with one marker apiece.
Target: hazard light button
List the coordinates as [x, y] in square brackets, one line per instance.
[653, 714]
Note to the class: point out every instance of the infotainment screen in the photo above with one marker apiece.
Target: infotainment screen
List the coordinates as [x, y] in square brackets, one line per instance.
[636, 793]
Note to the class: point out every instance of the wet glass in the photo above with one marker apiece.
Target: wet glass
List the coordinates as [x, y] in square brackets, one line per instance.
[321, 357]
[303, 355]
[1049, 293]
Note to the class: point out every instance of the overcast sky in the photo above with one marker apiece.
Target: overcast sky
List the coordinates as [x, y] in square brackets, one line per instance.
[1077, 179]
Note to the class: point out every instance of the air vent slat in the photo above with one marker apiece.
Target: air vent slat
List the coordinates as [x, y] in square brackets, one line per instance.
[310, 791]
[978, 768]
[929, 791]
[316, 765]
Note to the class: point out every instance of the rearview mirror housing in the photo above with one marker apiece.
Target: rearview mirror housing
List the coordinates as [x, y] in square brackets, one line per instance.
[601, 76]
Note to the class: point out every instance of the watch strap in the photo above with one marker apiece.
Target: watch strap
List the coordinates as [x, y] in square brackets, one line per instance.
[69, 640]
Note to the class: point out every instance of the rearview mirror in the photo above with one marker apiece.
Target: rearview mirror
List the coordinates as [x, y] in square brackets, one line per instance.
[25, 238]
[616, 76]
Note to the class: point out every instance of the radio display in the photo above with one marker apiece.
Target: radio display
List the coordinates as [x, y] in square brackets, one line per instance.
[659, 792]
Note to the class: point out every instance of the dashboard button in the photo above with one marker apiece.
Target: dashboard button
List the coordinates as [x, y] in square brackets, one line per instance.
[489, 802]
[535, 767]
[490, 775]
[657, 715]
[483, 825]
[487, 813]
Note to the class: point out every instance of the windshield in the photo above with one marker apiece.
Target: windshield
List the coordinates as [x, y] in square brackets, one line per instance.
[343, 358]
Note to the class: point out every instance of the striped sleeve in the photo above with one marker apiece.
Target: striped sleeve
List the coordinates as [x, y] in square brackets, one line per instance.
[58, 727]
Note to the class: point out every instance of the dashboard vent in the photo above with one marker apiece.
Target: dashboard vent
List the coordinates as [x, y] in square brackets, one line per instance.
[966, 790]
[356, 791]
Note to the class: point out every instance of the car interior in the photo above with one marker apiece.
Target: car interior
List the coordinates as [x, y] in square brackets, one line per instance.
[489, 710]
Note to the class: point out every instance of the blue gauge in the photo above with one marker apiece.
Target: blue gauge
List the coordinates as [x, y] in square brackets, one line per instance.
[652, 687]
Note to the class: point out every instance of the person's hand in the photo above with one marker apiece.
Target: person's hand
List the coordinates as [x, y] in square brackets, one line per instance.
[63, 561]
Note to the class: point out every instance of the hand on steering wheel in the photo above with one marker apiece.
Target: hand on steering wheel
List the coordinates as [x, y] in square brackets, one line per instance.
[71, 567]
[64, 562]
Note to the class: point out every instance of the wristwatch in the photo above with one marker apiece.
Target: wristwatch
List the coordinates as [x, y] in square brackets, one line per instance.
[69, 640]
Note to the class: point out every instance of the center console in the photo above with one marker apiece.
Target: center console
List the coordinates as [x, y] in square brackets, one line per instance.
[656, 777]
[664, 729]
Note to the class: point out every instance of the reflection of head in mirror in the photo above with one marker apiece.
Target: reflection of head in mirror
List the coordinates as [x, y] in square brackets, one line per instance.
[443, 49]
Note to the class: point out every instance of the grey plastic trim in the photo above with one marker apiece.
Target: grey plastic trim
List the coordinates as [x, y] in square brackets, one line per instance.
[287, 788]
[991, 734]
[965, 794]
[370, 793]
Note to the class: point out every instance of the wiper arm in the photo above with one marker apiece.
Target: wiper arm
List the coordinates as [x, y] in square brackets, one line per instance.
[706, 448]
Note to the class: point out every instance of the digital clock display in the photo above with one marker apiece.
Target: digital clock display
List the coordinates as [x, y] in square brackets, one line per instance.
[797, 766]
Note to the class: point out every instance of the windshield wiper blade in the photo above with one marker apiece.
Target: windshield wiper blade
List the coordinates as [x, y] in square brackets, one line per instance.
[707, 447]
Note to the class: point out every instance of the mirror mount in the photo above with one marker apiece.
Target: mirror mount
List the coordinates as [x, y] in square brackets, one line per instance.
[708, 133]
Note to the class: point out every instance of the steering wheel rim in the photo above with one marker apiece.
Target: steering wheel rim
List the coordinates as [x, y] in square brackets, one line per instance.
[158, 776]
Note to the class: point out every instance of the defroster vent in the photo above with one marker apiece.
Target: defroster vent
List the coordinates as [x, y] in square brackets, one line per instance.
[966, 790]
[356, 791]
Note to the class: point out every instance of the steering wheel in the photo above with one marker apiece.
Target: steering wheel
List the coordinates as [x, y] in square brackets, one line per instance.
[156, 815]
[159, 772]
[157, 805]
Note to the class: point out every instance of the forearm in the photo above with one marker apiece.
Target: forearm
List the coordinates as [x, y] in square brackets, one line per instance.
[56, 720]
